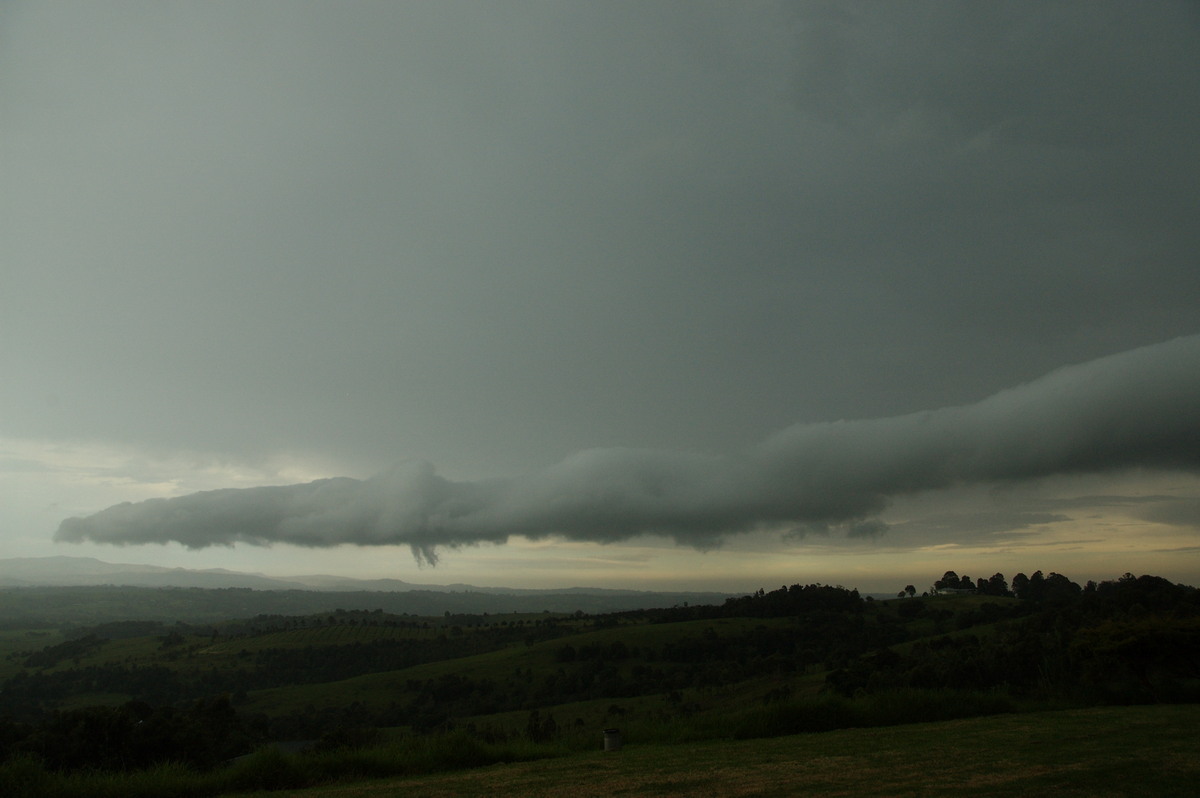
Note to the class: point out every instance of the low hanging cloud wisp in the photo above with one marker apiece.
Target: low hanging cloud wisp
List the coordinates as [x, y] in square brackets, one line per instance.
[1136, 409]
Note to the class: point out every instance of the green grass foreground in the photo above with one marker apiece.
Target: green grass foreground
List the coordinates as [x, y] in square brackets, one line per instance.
[1111, 752]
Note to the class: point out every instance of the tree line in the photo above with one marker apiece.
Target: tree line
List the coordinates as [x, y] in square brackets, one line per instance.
[1129, 640]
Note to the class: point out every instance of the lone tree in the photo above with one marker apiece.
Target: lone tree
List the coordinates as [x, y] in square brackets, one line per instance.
[910, 590]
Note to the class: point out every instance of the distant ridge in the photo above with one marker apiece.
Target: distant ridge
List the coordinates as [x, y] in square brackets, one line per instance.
[63, 571]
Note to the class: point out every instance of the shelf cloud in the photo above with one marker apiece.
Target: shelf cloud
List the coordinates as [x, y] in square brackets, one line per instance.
[1137, 409]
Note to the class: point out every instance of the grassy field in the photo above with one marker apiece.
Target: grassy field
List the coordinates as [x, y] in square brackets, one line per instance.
[17, 643]
[193, 656]
[539, 659]
[1110, 752]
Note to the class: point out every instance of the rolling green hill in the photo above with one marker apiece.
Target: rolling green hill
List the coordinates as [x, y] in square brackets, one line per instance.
[799, 659]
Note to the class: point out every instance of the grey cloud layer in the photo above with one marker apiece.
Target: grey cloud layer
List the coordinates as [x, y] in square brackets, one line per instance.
[1136, 409]
[491, 234]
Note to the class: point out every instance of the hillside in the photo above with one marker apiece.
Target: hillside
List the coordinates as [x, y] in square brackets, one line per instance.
[516, 685]
[1116, 752]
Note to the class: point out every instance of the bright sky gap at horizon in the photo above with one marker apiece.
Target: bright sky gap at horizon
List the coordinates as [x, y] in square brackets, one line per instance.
[681, 295]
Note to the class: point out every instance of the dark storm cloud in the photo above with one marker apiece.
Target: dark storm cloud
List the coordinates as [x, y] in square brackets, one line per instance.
[1136, 409]
[981, 524]
[862, 529]
[491, 234]
[1175, 512]
[1020, 70]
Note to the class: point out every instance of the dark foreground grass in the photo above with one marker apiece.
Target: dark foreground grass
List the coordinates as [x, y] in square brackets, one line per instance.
[900, 707]
[1111, 752]
[270, 771]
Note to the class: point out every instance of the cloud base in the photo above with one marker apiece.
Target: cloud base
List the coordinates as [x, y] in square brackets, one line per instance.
[1137, 409]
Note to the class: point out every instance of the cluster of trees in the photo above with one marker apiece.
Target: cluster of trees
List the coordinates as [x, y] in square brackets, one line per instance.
[1054, 587]
[1129, 640]
[1038, 587]
[787, 601]
[996, 585]
[133, 736]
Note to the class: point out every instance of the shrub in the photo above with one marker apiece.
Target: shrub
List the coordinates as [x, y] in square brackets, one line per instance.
[890, 708]
[798, 718]
[897, 707]
[268, 769]
[26, 777]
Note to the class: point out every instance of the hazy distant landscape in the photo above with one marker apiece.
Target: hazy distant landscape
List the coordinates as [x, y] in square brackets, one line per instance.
[43, 571]
[67, 590]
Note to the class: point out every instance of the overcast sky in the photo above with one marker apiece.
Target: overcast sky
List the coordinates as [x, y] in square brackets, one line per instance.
[711, 295]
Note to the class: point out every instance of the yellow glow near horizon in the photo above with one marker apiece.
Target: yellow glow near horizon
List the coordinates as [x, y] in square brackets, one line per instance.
[1086, 527]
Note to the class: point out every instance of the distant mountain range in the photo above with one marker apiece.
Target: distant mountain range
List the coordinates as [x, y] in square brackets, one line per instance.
[81, 571]
[87, 571]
